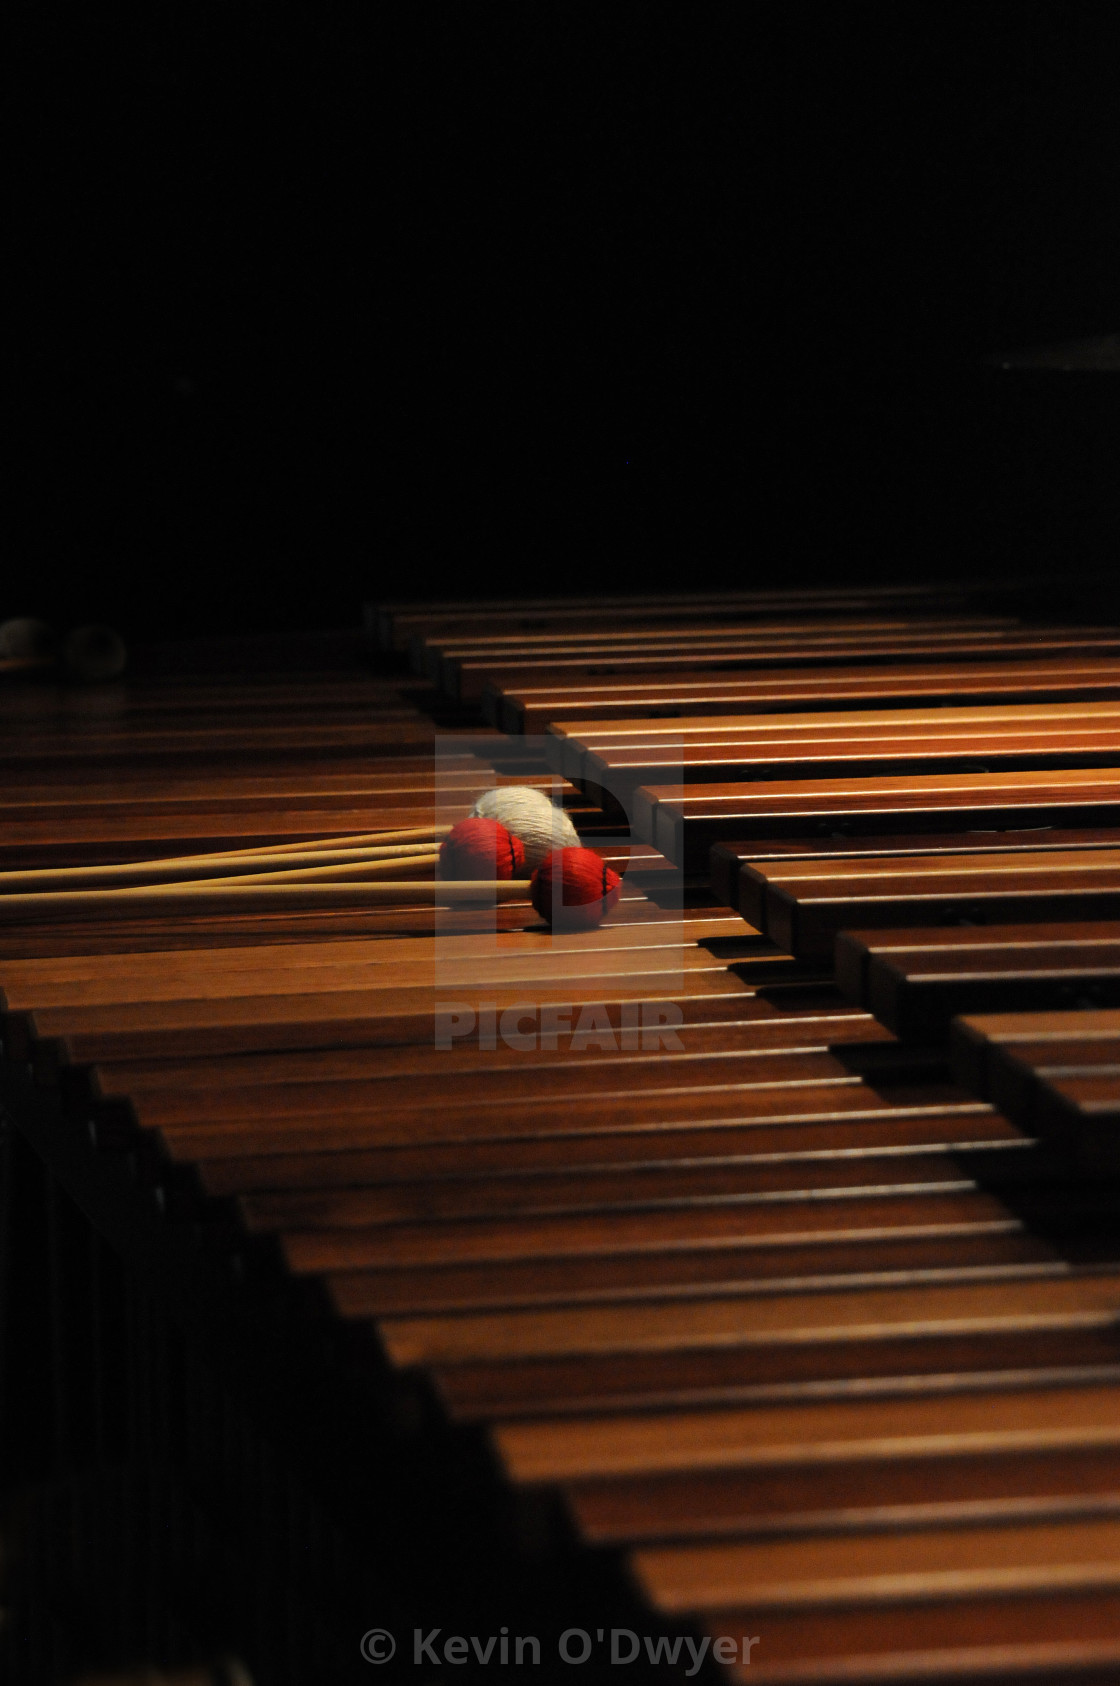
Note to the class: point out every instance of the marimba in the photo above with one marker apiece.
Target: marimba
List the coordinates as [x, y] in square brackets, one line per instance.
[736, 1285]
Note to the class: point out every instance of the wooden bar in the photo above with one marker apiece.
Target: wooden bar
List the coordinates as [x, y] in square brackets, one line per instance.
[802, 905]
[461, 667]
[611, 779]
[726, 860]
[684, 821]
[395, 623]
[826, 650]
[1059, 1073]
[575, 709]
[915, 981]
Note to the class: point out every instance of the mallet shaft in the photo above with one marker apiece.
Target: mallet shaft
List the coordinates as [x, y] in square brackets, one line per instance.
[252, 898]
[181, 868]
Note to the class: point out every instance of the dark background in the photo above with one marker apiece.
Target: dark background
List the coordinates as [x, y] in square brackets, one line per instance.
[318, 303]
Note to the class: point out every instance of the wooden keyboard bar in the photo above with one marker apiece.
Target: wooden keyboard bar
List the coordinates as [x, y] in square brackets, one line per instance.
[726, 860]
[978, 1640]
[569, 743]
[591, 708]
[684, 821]
[1058, 1073]
[916, 981]
[610, 779]
[828, 650]
[396, 623]
[985, 1033]
[462, 668]
[935, 1565]
[802, 905]
[680, 1370]
[439, 658]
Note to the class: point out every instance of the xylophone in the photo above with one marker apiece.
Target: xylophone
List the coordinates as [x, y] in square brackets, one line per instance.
[733, 1289]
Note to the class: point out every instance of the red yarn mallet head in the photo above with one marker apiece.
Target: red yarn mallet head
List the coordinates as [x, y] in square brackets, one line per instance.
[573, 889]
[481, 849]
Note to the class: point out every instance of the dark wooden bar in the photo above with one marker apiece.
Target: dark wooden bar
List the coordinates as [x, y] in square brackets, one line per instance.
[727, 860]
[802, 906]
[575, 709]
[684, 821]
[1058, 1073]
[915, 981]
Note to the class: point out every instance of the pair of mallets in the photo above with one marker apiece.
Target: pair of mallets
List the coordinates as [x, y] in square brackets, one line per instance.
[477, 861]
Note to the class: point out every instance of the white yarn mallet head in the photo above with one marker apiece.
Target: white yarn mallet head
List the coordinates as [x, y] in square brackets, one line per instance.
[541, 825]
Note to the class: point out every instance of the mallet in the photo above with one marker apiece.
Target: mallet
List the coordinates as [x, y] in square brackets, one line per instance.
[400, 858]
[249, 897]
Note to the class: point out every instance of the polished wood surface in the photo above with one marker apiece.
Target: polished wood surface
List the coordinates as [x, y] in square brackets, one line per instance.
[802, 905]
[575, 709]
[685, 820]
[1057, 1073]
[816, 1330]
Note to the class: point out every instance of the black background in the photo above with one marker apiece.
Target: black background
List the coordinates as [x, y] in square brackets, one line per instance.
[320, 303]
